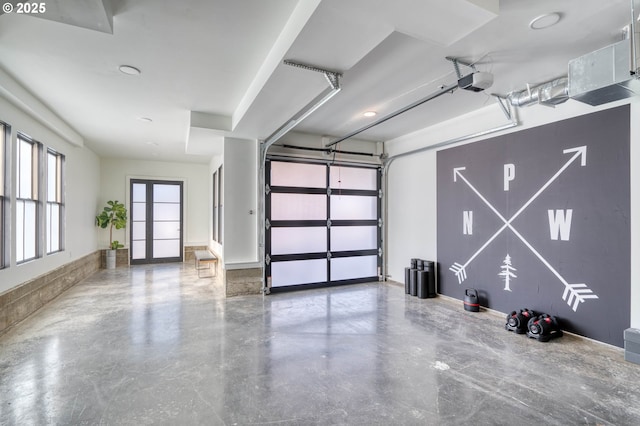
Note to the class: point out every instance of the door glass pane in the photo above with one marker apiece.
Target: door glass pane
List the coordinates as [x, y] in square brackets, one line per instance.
[166, 211]
[346, 268]
[354, 238]
[139, 211]
[353, 178]
[298, 206]
[138, 231]
[139, 193]
[138, 249]
[298, 175]
[298, 240]
[166, 193]
[298, 272]
[166, 248]
[353, 207]
[166, 230]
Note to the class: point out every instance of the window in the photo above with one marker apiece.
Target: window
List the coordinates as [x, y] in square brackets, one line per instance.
[214, 223]
[3, 194]
[217, 205]
[27, 199]
[220, 199]
[55, 203]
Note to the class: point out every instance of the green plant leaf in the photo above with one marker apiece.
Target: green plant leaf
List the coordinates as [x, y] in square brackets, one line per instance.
[114, 215]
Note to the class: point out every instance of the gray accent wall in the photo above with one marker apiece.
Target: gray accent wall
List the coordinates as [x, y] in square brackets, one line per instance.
[540, 219]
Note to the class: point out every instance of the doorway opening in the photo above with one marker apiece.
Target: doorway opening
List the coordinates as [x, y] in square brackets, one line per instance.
[156, 221]
[323, 224]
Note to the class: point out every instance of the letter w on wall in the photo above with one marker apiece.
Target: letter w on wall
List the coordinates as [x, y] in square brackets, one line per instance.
[560, 224]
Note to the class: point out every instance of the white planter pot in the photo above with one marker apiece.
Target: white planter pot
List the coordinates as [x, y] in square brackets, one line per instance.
[110, 259]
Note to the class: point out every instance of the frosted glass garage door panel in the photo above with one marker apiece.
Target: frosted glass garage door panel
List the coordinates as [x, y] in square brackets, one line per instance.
[353, 207]
[345, 238]
[166, 248]
[298, 240]
[347, 268]
[298, 272]
[353, 178]
[166, 193]
[298, 175]
[298, 206]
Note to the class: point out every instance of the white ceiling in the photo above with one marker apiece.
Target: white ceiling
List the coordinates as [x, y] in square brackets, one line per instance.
[213, 68]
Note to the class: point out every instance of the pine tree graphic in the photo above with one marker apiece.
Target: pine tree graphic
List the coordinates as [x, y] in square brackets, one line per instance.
[507, 272]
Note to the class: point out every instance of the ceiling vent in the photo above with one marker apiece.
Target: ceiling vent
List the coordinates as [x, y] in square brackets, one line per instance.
[604, 75]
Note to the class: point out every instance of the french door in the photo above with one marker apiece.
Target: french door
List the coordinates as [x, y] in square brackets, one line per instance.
[322, 224]
[156, 221]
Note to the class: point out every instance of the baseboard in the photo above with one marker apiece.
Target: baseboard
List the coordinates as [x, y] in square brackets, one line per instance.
[240, 282]
[632, 345]
[22, 301]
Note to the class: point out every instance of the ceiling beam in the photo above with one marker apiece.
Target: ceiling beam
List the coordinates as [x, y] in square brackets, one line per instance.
[18, 95]
[94, 15]
[298, 19]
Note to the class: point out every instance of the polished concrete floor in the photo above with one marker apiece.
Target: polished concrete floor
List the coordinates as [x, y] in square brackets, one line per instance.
[155, 344]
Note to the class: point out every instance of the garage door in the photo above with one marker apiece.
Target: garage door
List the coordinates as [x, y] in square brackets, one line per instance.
[322, 224]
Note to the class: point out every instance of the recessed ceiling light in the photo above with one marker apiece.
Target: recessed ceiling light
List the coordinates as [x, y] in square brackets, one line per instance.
[370, 114]
[145, 119]
[129, 70]
[544, 21]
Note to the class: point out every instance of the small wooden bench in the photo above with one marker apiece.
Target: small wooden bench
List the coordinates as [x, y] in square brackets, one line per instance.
[206, 257]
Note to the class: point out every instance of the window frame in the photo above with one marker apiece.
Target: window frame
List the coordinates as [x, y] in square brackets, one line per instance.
[214, 196]
[217, 197]
[4, 194]
[58, 201]
[220, 204]
[35, 198]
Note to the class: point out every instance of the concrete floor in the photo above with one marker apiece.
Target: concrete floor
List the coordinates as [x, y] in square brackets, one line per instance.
[155, 344]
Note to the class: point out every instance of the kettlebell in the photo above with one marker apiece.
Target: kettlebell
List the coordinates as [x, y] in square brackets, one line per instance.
[471, 302]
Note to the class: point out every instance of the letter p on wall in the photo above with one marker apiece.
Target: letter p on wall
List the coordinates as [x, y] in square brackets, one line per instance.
[509, 175]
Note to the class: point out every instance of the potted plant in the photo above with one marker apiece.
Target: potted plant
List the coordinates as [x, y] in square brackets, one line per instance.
[114, 215]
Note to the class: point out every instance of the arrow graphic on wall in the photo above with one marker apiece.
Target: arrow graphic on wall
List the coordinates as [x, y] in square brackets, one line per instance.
[574, 294]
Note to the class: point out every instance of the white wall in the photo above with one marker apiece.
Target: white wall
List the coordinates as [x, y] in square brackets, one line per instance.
[411, 193]
[240, 248]
[82, 181]
[241, 201]
[316, 142]
[115, 178]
